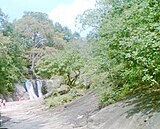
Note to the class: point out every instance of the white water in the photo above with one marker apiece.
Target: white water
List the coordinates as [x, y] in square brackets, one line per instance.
[30, 90]
[39, 88]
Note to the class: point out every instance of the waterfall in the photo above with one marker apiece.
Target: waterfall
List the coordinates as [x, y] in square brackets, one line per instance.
[30, 90]
[39, 88]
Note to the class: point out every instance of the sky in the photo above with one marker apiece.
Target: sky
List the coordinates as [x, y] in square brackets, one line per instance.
[62, 11]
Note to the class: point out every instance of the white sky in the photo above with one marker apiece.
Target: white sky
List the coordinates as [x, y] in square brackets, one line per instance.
[66, 14]
[62, 11]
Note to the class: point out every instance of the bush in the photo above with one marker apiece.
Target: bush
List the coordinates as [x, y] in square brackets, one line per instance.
[57, 99]
[12, 64]
[128, 49]
[67, 63]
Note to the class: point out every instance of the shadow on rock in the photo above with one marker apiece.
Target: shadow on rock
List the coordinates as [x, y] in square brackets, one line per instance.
[5, 119]
[144, 103]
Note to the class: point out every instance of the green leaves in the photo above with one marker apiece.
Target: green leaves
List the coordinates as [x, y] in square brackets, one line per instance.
[128, 48]
[66, 63]
[11, 64]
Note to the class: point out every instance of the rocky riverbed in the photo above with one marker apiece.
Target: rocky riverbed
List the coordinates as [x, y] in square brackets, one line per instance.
[82, 113]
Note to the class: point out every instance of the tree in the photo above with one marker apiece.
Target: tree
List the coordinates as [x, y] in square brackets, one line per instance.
[39, 33]
[76, 36]
[12, 63]
[12, 60]
[67, 34]
[126, 47]
[3, 19]
[128, 50]
[58, 27]
[38, 23]
[38, 16]
[67, 63]
[5, 27]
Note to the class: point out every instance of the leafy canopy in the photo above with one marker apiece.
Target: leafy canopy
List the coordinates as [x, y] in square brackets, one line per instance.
[127, 47]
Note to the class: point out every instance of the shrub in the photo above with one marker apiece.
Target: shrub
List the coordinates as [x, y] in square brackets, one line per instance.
[128, 49]
[67, 63]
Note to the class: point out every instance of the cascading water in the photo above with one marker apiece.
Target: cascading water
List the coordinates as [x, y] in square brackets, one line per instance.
[39, 88]
[30, 90]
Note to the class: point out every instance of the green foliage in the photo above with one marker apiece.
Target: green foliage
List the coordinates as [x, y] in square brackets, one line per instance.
[11, 63]
[37, 25]
[57, 99]
[26, 41]
[66, 63]
[128, 49]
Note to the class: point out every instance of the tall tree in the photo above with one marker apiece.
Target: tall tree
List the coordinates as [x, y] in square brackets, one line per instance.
[5, 27]
[38, 23]
[12, 62]
[39, 33]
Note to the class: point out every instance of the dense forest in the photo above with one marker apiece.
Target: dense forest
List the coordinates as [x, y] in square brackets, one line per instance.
[120, 57]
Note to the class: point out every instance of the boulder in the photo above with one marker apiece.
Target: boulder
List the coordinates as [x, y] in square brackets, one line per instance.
[63, 89]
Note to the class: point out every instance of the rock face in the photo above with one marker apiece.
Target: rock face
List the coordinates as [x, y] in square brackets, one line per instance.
[124, 116]
[53, 84]
[18, 94]
[82, 113]
[63, 89]
[21, 94]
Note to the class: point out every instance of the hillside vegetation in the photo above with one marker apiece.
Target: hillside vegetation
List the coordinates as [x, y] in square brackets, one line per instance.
[126, 48]
[121, 57]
